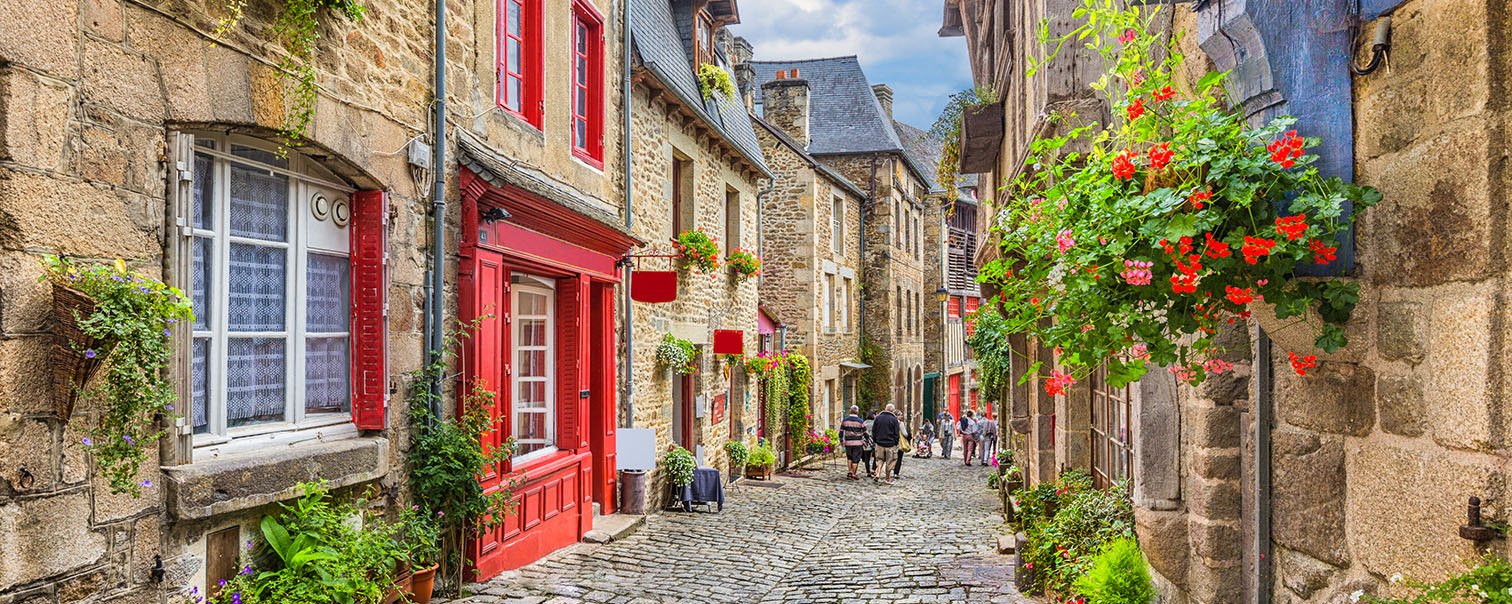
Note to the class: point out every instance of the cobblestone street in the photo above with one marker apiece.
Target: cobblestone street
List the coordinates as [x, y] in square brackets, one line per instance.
[815, 538]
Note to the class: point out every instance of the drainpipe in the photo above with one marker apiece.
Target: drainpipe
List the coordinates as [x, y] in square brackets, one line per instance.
[629, 372]
[438, 211]
[1263, 400]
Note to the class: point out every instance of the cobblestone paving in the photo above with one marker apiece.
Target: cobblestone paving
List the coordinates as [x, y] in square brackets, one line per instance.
[818, 538]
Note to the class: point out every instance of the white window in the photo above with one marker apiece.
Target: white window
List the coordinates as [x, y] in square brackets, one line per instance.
[837, 231]
[829, 289]
[534, 411]
[845, 305]
[271, 287]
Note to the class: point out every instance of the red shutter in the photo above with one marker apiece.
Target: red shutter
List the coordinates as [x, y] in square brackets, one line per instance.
[369, 233]
[571, 355]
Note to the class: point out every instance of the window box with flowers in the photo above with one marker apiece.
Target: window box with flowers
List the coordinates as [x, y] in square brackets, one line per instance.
[1173, 221]
[697, 249]
[743, 264]
[676, 355]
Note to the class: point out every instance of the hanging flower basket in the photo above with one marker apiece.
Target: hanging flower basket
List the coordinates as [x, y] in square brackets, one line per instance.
[654, 287]
[697, 249]
[75, 356]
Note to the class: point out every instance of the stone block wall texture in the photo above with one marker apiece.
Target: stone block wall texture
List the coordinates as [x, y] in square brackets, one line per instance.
[89, 90]
[797, 224]
[704, 302]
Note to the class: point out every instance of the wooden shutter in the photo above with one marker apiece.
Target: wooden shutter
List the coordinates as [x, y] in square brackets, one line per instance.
[571, 358]
[369, 233]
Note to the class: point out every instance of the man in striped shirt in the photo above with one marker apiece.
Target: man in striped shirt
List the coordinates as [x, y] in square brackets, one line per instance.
[852, 436]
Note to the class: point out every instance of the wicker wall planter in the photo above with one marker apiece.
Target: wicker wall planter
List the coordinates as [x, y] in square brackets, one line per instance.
[71, 369]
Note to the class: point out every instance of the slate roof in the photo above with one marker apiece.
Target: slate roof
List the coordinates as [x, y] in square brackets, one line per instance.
[818, 166]
[659, 45]
[925, 150]
[846, 116]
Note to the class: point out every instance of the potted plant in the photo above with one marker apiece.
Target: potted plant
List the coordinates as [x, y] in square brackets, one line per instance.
[676, 354]
[743, 264]
[679, 464]
[738, 454]
[109, 313]
[698, 249]
[421, 530]
[1003, 460]
[761, 462]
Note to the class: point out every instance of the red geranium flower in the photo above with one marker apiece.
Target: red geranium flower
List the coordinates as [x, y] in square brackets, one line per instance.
[1135, 109]
[1292, 226]
[1164, 94]
[1216, 248]
[1302, 363]
[1123, 168]
[1199, 197]
[1160, 155]
[1240, 296]
[1284, 150]
[1255, 247]
[1322, 253]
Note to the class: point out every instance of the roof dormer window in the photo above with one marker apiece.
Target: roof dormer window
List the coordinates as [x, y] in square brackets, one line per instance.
[703, 39]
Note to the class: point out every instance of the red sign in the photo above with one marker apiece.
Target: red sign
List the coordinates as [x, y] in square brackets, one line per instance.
[729, 341]
[653, 287]
[718, 408]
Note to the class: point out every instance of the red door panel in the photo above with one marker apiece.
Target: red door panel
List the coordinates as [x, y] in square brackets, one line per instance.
[602, 407]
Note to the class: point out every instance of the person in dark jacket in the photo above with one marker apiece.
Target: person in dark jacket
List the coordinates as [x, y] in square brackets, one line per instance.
[886, 432]
[853, 436]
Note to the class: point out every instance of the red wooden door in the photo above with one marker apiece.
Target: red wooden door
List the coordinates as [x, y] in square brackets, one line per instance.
[602, 411]
[955, 396]
[487, 365]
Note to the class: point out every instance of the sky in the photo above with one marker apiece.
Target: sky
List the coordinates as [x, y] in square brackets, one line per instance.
[895, 40]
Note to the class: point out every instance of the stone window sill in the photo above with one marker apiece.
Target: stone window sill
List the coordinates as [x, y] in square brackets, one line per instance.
[228, 484]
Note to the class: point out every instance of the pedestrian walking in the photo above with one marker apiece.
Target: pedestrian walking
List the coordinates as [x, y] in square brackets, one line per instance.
[987, 436]
[925, 448]
[946, 422]
[904, 444]
[887, 432]
[853, 437]
[868, 445]
[967, 428]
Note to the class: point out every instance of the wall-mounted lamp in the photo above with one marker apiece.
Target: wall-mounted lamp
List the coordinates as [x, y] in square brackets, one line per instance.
[942, 294]
[492, 215]
[1380, 45]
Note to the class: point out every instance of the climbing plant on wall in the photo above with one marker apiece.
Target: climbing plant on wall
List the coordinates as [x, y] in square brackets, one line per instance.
[776, 400]
[297, 27]
[798, 395]
[872, 386]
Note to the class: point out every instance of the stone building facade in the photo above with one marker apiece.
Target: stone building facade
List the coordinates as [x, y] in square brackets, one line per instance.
[850, 130]
[697, 164]
[810, 225]
[1270, 486]
[99, 100]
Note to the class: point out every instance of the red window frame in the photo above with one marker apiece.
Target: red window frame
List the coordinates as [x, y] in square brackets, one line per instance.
[529, 76]
[954, 307]
[588, 82]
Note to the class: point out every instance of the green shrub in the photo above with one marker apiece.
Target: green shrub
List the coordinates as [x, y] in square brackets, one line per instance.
[738, 453]
[1489, 581]
[762, 456]
[1118, 576]
[1068, 523]
[679, 464]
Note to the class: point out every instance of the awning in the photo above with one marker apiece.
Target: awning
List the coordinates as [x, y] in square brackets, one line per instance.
[851, 365]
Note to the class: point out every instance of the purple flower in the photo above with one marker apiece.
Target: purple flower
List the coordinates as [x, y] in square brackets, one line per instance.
[172, 320]
[167, 333]
[222, 582]
[128, 439]
[87, 442]
[169, 407]
[146, 484]
[89, 354]
[236, 598]
[246, 570]
[117, 278]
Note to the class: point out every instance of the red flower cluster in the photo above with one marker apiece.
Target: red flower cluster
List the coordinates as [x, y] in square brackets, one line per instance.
[1322, 253]
[1164, 94]
[1160, 155]
[1255, 247]
[1135, 109]
[1240, 296]
[1199, 198]
[1292, 226]
[1216, 248]
[1286, 149]
[1057, 383]
[1302, 363]
[1122, 166]
[1186, 282]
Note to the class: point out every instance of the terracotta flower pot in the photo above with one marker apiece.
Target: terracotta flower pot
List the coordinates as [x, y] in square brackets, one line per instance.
[422, 584]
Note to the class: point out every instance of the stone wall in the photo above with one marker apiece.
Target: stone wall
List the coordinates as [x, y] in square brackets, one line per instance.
[704, 302]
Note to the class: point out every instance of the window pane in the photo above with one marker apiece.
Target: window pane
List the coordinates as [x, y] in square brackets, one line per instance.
[582, 38]
[259, 204]
[204, 191]
[532, 304]
[260, 156]
[532, 332]
[200, 386]
[514, 102]
[256, 279]
[328, 287]
[202, 277]
[515, 60]
[531, 432]
[255, 387]
[516, 18]
[580, 133]
[327, 375]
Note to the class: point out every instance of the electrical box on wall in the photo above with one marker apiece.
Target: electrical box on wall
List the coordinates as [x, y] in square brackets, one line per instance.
[419, 154]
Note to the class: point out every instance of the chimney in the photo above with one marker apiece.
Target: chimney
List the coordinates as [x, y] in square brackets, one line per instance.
[785, 103]
[745, 75]
[884, 96]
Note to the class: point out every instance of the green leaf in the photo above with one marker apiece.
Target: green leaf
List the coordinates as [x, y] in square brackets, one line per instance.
[1182, 225]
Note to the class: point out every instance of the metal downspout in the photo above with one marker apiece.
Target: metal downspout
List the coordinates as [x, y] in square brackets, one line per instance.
[1263, 400]
[629, 372]
[438, 212]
